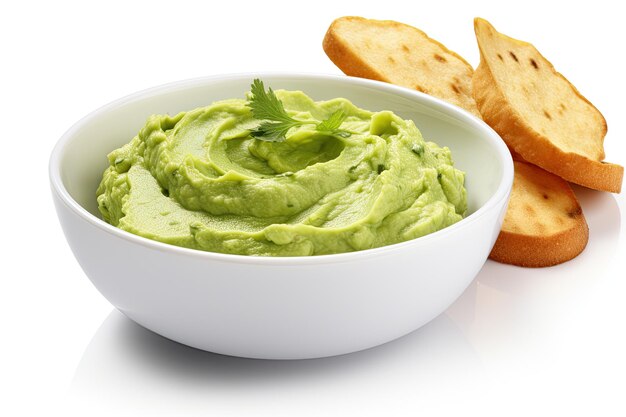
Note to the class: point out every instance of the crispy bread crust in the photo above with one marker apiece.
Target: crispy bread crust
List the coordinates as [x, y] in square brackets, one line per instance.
[348, 59]
[502, 116]
[531, 239]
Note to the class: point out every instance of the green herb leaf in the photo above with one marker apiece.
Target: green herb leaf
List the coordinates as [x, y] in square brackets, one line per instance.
[333, 122]
[418, 149]
[265, 105]
[276, 123]
[271, 132]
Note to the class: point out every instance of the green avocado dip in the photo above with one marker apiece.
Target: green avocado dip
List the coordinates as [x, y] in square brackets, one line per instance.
[201, 180]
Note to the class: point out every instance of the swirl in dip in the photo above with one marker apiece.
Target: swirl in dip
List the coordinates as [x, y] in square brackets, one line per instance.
[200, 180]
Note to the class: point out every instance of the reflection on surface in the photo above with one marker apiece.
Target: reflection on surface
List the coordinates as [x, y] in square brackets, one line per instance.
[127, 365]
[506, 313]
[508, 307]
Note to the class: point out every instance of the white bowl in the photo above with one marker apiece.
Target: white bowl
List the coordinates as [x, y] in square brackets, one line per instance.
[273, 307]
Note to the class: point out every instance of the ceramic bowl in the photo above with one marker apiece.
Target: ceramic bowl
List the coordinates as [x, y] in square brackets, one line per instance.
[278, 307]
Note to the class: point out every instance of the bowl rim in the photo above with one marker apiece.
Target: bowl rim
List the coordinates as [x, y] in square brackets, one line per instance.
[502, 192]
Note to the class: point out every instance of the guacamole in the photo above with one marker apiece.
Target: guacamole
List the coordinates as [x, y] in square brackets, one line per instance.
[199, 179]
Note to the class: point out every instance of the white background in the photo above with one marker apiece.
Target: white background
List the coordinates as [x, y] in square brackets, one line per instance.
[518, 342]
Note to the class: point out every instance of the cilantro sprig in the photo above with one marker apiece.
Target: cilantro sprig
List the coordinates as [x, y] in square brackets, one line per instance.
[276, 122]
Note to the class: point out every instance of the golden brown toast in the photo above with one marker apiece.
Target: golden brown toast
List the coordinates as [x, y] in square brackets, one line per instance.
[399, 54]
[544, 224]
[539, 113]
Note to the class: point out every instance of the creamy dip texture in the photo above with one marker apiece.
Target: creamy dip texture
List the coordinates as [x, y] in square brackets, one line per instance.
[200, 180]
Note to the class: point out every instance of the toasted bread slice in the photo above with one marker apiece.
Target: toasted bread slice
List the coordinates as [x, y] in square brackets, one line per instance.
[538, 113]
[544, 224]
[400, 54]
